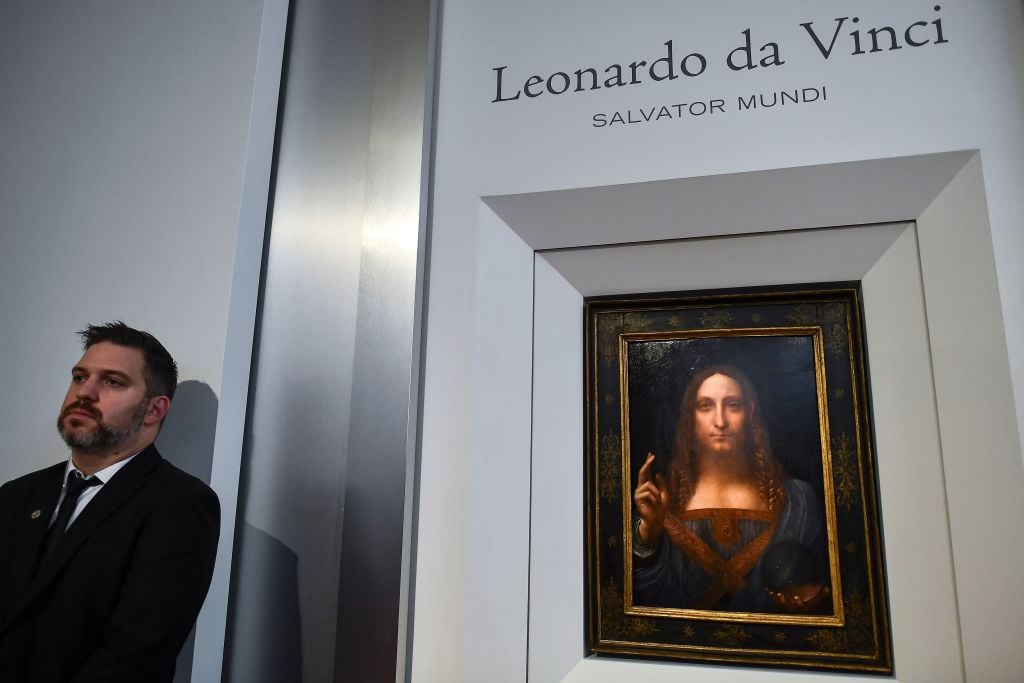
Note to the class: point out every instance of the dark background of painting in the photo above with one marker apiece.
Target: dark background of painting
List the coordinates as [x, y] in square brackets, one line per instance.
[781, 368]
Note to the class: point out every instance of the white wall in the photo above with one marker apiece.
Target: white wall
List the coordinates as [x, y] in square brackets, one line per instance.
[962, 94]
[123, 130]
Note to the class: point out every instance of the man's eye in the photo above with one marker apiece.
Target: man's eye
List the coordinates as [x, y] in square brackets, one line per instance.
[77, 378]
[115, 382]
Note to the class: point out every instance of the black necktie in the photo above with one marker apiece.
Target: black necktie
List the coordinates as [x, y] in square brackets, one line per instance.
[75, 485]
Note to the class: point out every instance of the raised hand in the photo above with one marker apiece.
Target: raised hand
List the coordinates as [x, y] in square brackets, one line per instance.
[651, 500]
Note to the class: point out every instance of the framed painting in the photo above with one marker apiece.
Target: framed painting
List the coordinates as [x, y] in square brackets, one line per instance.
[731, 502]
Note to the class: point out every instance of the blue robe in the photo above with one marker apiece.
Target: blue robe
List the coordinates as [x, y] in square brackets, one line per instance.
[666, 576]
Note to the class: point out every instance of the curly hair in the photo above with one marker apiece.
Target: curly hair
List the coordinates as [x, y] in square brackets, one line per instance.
[756, 444]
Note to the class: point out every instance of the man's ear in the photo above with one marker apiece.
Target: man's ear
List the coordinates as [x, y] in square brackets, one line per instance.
[157, 410]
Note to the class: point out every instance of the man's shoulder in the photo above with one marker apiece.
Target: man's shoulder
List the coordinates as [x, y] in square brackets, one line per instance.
[177, 502]
[28, 480]
[30, 487]
[172, 479]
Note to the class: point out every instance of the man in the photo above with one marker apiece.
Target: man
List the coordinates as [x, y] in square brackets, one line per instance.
[105, 559]
[700, 536]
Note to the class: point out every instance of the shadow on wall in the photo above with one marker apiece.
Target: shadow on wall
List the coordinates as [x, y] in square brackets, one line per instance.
[275, 631]
[187, 441]
[264, 612]
[187, 436]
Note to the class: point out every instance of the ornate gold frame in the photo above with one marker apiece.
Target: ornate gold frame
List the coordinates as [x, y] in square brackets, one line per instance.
[855, 635]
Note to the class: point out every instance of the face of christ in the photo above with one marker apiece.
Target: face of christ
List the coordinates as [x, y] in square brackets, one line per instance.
[721, 417]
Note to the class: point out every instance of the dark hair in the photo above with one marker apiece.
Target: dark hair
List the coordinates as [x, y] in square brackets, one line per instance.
[756, 442]
[160, 371]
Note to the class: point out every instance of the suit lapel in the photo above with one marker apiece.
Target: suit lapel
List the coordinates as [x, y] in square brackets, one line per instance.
[37, 510]
[107, 501]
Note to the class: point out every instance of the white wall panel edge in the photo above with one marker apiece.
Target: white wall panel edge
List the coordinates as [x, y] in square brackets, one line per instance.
[445, 451]
[926, 631]
[498, 546]
[732, 203]
[407, 590]
[241, 319]
[556, 507]
[983, 472]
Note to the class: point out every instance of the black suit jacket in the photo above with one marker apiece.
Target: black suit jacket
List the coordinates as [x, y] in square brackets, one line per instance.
[118, 597]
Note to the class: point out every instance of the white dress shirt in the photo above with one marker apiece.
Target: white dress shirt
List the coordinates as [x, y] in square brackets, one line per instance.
[90, 492]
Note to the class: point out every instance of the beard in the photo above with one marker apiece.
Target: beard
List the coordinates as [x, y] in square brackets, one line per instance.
[102, 437]
[732, 449]
[737, 454]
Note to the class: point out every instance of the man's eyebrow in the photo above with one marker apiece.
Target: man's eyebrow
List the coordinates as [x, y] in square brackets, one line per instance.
[109, 372]
[105, 372]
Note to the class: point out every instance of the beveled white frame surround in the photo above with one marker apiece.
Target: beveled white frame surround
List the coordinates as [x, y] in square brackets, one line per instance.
[915, 231]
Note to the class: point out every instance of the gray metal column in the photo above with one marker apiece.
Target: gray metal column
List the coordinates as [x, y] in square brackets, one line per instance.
[321, 570]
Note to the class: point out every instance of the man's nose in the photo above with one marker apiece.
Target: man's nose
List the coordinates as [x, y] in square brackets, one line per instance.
[720, 418]
[86, 391]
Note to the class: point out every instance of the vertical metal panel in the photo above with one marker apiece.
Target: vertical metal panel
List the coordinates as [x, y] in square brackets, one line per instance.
[371, 615]
[322, 555]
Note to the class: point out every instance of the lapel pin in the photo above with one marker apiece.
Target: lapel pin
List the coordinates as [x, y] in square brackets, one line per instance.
[36, 514]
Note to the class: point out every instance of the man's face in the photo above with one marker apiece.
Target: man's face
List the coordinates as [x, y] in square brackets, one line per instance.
[106, 404]
[721, 415]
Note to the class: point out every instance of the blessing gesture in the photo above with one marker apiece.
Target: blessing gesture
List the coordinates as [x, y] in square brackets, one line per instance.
[651, 499]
